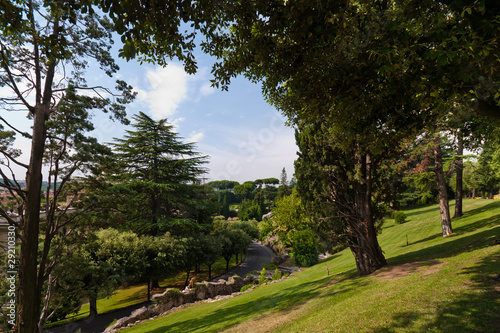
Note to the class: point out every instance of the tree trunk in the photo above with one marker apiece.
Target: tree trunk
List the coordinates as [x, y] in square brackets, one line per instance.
[29, 297]
[473, 193]
[93, 307]
[444, 207]
[149, 289]
[155, 283]
[490, 193]
[227, 264]
[363, 237]
[187, 278]
[210, 272]
[460, 176]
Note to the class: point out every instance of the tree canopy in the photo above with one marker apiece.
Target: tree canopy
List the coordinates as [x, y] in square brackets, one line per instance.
[161, 173]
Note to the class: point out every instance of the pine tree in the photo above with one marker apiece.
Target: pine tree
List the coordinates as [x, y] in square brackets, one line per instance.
[161, 174]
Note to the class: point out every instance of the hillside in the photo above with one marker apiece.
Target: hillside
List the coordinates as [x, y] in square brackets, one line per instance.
[432, 284]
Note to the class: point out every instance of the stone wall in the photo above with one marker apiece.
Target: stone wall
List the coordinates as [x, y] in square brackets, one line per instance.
[172, 298]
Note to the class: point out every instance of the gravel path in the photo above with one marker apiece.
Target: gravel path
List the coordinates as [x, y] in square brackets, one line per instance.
[257, 255]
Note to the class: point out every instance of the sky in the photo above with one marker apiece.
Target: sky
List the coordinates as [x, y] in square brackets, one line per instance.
[244, 137]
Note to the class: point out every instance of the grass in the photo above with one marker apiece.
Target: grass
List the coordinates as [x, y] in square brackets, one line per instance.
[432, 284]
[136, 294]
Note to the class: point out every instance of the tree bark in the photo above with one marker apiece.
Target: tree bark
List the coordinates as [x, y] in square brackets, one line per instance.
[187, 278]
[210, 272]
[459, 181]
[363, 237]
[149, 289]
[444, 207]
[93, 307]
[29, 297]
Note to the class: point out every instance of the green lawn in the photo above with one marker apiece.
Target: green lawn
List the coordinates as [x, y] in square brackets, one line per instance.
[433, 284]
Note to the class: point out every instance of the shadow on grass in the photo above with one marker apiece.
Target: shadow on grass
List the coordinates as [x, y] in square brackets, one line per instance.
[469, 227]
[475, 311]
[453, 245]
[423, 210]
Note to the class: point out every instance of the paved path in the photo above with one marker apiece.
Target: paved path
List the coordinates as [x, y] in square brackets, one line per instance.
[256, 256]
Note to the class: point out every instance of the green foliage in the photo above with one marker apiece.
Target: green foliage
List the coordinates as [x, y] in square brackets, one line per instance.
[265, 228]
[400, 217]
[246, 287]
[289, 216]
[305, 251]
[277, 274]
[250, 227]
[249, 210]
[222, 185]
[263, 277]
[158, 170]
[465, 273]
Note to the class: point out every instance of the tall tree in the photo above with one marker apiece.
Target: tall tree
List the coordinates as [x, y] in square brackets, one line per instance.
[44, 51]
[337, 190]
[161, 174]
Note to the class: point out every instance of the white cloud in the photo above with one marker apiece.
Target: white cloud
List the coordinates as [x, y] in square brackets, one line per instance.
[195, 136]
[206, 90]
[175, 122]
[252, 157]
[169, 89]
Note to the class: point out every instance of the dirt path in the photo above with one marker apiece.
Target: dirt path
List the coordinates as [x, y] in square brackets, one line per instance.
[256, 256]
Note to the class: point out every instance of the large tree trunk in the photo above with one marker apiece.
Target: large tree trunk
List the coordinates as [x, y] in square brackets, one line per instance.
[444, 207]
[460, 176]
[93, 307]
[29, 297]
[363, 237]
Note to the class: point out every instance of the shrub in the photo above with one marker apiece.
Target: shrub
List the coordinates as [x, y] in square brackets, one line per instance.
[277, 275]
[400, 217]
[305, 251]
[246, 287]
[270, 266]
[262, 277]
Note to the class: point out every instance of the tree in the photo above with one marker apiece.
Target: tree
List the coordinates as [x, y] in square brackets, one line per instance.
[289, 217]
[93, 268]
[161, 174]
[373, 71]
[305, 251]
[336, 188]
[211, 251]
[245, 190]
[283, 189]
[162, 257]
[39, 44]
[431, 161]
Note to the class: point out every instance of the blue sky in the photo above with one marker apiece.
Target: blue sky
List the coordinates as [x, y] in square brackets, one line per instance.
[245, 137]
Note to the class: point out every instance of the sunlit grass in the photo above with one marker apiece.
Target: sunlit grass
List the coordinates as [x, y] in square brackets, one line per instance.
[431, 284]
[136, 294]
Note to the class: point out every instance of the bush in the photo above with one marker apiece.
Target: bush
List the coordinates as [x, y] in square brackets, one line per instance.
[246, 287]
[305, 248]
[400, 217]
[262, 277]
[277, 275]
